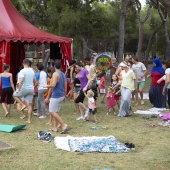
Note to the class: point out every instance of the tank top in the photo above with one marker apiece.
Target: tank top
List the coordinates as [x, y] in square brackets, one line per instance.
[5, 82]
[59, 90]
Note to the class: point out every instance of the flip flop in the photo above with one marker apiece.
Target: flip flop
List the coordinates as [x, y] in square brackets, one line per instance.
[65, 130]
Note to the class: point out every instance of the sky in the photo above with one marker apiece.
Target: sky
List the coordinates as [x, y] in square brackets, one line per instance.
[142, 2]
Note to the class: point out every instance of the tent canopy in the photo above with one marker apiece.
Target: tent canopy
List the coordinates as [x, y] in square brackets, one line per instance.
[14, 27]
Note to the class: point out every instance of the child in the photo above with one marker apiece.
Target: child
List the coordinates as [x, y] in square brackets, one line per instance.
[110, 100]
[116, 85]
[102, 86]
[94, 89]
[91, 101]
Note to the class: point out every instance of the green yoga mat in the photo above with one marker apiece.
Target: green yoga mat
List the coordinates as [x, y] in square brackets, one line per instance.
[10, 128]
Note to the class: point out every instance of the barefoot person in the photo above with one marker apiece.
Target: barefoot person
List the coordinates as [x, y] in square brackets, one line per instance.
[58, 85]
[7, 89]
[25, 88]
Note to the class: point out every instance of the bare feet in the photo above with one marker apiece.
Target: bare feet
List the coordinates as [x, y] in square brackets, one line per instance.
[49, 123]
[22, 117]
[23, 107]
[6, 114]
[64, 129]
[28, 121]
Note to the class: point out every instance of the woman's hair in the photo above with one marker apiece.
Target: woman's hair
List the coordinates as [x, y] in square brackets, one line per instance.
[72, 62]
[6, 66]
[40, 67]
[80, 64]
[135, 58]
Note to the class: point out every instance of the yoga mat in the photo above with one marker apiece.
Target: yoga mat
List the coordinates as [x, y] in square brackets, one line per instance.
[10, 128]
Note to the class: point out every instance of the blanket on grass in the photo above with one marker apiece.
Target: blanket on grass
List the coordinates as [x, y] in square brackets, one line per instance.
[150, 111]
[89, 144]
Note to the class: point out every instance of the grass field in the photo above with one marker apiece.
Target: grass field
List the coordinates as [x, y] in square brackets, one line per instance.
[152, 144]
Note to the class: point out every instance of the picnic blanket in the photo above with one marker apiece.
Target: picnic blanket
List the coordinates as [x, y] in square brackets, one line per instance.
[11, 128]
[89, 144]
[150, 111]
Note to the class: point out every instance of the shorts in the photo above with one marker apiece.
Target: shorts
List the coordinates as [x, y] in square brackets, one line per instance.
[25, 94]
[102, 91]
[7, 94]
[55, 104]
[141, 85]
[80, 98]
[92, 112]
[77, 90]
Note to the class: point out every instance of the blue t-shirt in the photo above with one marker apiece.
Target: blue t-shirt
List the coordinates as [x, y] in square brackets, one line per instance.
[59, 90]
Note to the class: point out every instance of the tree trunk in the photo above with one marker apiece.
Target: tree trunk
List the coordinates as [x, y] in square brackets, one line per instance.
[166, 4]
[167, 41]
[84, 48]
[140, 41]
[163, 17]
[151, 39]
[141, 26]
[45, 61]
[122, 29]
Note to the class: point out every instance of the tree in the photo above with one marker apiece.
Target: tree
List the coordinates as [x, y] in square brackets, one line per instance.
[166, 4]
[123, 9]
[163, 16]
[141, 26]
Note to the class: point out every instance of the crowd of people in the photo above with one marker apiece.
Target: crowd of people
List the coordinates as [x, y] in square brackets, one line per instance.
[50, 88]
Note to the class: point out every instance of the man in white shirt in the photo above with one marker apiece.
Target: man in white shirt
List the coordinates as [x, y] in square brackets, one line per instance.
[140, 70]
[25, 88]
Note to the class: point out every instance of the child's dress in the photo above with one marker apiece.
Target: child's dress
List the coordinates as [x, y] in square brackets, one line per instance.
[110, 100]
[117, 96]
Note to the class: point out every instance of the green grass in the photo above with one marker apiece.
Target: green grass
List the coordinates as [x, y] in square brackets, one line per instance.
[152, 144]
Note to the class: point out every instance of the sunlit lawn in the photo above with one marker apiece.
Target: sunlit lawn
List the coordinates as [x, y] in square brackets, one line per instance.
[152, 144]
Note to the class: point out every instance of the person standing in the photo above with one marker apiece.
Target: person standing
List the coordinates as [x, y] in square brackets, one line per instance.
[157, 99]
[128, 85]
[59, 85]
[25, 88]
[41, 80]
[91, 68]
[85, 80]
[112, 67]
[7, 89]
[140, 70]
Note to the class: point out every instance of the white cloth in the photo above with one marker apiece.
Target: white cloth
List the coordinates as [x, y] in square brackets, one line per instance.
[150, 111]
